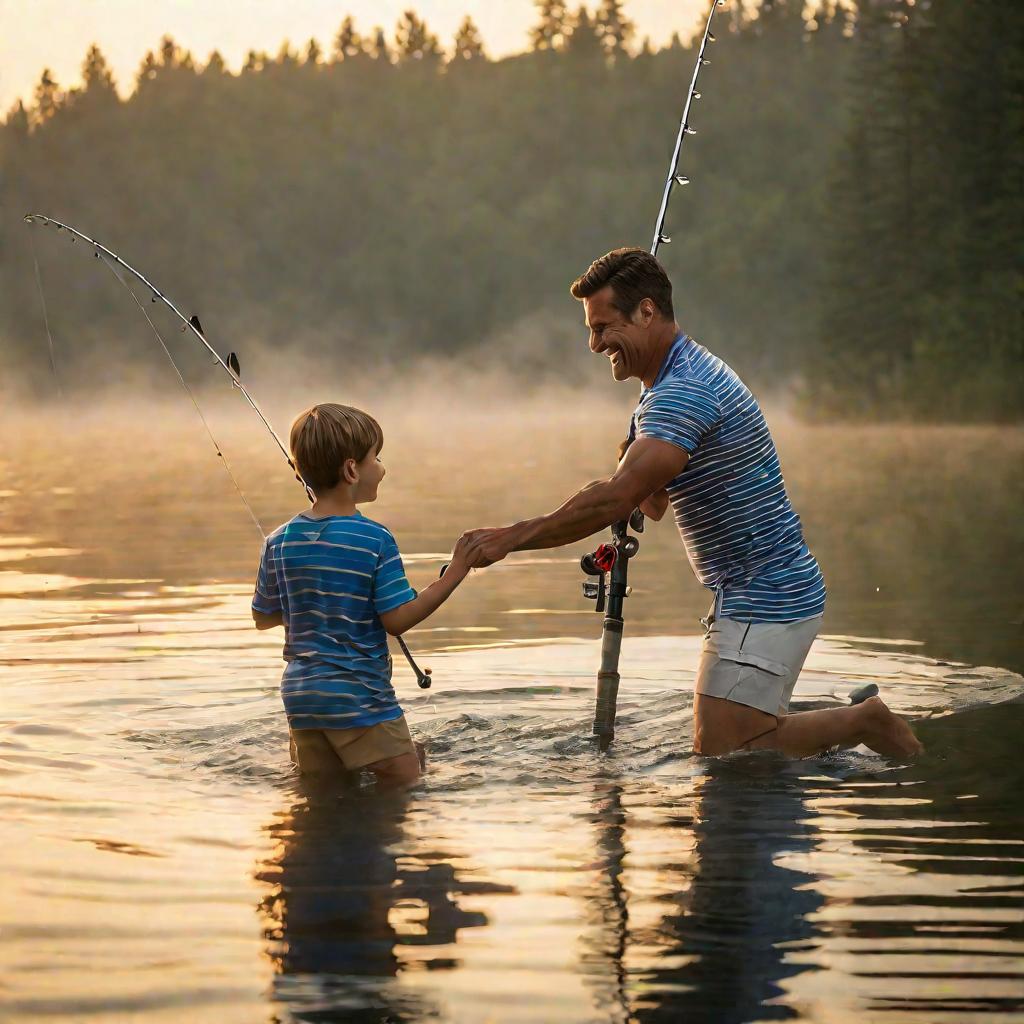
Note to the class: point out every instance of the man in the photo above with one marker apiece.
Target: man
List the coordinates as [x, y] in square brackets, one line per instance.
[698, 439]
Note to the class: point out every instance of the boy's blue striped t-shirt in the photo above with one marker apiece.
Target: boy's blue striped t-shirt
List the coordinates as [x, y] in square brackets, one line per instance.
[742, 536]
[331, 579]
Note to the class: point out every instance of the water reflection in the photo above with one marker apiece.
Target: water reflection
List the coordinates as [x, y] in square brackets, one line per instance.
[349, 906]
[727, 912]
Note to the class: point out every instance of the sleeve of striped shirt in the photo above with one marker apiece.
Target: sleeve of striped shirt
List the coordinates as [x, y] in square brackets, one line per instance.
[267, 599]
[681, 412]
[390, 587]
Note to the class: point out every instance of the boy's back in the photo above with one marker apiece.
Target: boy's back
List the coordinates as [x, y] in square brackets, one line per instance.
[331, 578]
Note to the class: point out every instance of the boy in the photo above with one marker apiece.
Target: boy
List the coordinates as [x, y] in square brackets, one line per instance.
[334, 579]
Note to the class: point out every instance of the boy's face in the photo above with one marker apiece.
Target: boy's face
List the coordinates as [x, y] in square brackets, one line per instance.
[371, 472]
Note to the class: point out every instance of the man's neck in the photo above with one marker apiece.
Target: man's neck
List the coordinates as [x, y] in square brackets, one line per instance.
[661, 343]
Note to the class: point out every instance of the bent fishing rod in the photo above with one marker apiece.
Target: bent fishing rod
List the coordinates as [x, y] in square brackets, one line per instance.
[230, 365]
[610, 562]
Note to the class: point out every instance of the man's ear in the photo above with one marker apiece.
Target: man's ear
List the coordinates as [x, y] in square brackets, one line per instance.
[644, 313]
[350, 471]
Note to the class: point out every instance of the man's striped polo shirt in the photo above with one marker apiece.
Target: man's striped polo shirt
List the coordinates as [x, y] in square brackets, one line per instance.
[742, 536]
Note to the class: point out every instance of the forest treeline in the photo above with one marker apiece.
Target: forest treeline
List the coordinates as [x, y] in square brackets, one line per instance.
[852, 233]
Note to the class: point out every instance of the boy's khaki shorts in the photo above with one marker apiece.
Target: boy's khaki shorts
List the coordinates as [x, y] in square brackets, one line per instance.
[325, 751]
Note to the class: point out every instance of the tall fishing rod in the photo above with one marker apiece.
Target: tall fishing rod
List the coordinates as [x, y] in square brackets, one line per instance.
[610, 562]
[230, 366]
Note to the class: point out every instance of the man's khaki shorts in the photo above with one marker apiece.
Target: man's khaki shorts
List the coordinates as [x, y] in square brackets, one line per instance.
[326, 751]
[755, 663]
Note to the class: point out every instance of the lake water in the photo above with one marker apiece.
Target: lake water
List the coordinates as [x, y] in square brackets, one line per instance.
[161, 861]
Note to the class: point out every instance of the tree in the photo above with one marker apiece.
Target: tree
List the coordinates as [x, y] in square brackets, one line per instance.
[614, 28]
[414, 41]
[99, 82]
[47, 96]
[255, 61]
[379, 49]
[584, 41]
[347, 43]
[215, 65]
[17, 122]
[286, 56]
[147, 72]
[549, 33]
[468, 43]
[314, 54]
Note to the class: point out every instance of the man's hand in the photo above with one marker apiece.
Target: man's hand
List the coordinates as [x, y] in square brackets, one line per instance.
[487, 545]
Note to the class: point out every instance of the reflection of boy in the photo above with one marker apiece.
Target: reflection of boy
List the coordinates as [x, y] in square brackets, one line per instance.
[335, 580]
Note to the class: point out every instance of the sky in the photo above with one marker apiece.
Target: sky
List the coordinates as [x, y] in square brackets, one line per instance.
[36, 34]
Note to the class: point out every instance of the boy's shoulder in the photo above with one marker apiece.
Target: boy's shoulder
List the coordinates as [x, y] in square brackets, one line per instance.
[304, 527]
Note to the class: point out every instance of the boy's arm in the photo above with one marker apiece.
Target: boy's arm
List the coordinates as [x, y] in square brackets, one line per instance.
[266, 601]
[404, 617]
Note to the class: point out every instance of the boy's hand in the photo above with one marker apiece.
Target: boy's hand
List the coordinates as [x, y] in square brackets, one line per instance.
[460, 560]
[487, 546]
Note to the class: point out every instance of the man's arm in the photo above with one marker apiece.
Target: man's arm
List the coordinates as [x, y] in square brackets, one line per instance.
[265, 621]
[648, 466]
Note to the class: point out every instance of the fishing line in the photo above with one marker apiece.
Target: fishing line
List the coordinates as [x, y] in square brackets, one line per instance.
[230, 366]
[46, 318]
[195, 403]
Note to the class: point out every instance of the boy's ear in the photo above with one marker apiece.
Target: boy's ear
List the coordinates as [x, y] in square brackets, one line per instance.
[349, 471]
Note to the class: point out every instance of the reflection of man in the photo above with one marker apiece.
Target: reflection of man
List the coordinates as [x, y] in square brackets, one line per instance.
[698, 439]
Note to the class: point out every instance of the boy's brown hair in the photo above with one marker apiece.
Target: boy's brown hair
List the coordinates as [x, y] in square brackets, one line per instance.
[325, 436]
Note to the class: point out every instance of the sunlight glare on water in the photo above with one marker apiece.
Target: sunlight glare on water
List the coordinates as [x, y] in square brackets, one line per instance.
[162, 862]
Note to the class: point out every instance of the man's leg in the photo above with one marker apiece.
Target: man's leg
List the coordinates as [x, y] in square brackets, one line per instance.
[723, 726]
[870, 723]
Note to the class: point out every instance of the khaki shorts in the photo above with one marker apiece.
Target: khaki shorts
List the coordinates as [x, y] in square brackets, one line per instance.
[326, 751]
[755, 663]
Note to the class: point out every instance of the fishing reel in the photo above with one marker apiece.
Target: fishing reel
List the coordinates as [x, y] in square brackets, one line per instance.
[602, 563]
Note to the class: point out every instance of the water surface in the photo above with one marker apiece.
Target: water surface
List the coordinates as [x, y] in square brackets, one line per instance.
[162, 862]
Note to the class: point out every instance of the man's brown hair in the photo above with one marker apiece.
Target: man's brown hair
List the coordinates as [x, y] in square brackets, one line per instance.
[634, 275]
[325, 436]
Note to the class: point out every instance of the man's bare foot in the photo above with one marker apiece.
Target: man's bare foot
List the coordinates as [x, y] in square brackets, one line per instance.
[887, 733]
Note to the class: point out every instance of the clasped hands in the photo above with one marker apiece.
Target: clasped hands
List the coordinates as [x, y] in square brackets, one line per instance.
[485, 546]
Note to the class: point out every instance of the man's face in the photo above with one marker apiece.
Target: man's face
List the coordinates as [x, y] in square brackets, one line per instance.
[624, 340]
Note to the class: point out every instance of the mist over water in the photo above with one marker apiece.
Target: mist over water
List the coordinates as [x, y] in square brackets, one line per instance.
[164, 862]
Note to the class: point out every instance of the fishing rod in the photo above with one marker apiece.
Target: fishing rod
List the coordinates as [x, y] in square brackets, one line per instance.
[230, 365]
[610, 562]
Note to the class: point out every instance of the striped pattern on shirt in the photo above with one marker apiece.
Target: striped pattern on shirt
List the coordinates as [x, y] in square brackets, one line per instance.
[331, 579]
[741, 534]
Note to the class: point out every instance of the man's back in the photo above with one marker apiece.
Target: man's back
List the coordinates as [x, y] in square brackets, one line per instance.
[742, 536]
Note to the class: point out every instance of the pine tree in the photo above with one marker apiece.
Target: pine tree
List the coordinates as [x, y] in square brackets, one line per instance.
[551, 29]
[584, 42]
[379, 49]
[170, 54]
[255, 61]
[96, 74]
[468, 43]
[348, 43]
[414, 41]
[147, 72]
[17, 122]
[314, 54]
[286, 56]
[614, 28]
[215, 65]
[48, 98]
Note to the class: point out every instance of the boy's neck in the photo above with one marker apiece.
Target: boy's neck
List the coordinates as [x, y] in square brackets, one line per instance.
[333, 503]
